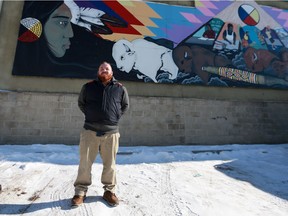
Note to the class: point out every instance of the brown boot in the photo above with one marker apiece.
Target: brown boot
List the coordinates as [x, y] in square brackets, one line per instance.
[77, 200]
[110, 198]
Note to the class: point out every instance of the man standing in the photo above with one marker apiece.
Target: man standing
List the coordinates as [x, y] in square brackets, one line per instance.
[103, 102]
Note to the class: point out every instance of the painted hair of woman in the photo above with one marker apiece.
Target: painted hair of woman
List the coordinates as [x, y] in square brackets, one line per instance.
[61, 49]
[34, 46]
[37, 12]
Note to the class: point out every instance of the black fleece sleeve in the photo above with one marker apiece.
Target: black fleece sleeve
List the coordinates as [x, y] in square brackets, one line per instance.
[125, 101]
[81, 99]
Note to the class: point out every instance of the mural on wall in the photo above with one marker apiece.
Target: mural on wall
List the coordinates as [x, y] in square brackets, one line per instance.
[217, 43]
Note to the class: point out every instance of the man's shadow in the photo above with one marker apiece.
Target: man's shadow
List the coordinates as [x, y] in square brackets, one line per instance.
[63, 204]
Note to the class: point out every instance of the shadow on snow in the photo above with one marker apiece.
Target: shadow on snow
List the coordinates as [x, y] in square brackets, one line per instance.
[62, 204]
[263, 166]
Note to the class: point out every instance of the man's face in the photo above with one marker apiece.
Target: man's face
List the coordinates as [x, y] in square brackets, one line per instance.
[105, 72]
[230, 29]
[58, 31]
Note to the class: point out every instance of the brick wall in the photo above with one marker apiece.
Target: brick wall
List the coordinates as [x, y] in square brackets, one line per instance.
[27, 118]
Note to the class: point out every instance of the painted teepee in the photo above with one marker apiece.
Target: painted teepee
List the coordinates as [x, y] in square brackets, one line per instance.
[252, 13]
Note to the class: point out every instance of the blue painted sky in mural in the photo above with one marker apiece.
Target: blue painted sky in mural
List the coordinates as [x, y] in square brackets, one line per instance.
[253, 37]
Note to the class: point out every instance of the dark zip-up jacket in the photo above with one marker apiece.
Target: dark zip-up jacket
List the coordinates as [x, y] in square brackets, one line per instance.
[102, 105]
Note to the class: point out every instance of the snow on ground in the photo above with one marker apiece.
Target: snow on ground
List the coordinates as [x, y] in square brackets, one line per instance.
[152, 181]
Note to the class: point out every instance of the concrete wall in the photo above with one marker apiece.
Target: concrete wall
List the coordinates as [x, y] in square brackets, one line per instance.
[55, 118]
[9, 26]
[44, 110]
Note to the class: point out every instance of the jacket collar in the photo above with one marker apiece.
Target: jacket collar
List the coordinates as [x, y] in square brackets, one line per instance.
[113, 81]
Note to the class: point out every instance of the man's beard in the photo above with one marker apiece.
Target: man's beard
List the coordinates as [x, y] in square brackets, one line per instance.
[105, 77]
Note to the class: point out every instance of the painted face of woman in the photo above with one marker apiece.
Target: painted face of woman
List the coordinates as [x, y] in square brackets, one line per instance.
[58, 31]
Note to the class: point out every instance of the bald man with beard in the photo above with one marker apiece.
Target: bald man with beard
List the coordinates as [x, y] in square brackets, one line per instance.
[103, 101]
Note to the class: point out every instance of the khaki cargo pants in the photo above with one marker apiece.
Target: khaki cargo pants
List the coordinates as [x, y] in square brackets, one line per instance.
[90, 144]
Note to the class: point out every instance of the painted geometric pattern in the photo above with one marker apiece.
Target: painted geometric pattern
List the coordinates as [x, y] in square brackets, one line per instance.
[116, 9]
[163, 21]
[248, 14]
[158, 20]
[279, 15]
[177, 22]
[140, 25]
[30, 29]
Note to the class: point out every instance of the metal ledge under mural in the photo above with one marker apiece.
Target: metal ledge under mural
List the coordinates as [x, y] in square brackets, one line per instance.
[215, 43]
